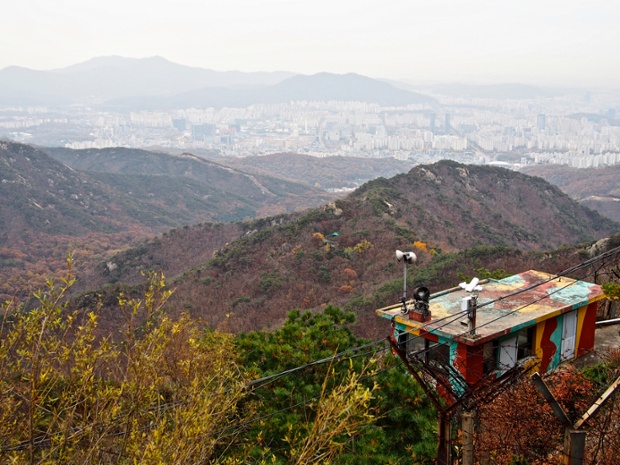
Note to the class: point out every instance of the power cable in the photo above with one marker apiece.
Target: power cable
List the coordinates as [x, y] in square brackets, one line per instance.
[272, 378]
[452, 318]
[459, 315]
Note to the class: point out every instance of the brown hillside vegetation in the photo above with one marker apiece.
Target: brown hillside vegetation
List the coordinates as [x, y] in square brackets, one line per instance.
[327, 173]
[49, 209]
[232, 194]
[596, 188]
[462, 206]
[343, 254]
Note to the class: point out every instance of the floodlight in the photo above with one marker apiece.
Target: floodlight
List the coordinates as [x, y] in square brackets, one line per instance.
[421, 296]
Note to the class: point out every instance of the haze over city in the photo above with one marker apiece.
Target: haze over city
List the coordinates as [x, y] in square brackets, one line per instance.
[210, 214]
[546, 43]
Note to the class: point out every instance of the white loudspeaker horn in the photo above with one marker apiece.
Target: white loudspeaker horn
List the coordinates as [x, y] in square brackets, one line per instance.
[408, 256]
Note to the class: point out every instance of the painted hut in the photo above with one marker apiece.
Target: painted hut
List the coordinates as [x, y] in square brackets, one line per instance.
[532, 317]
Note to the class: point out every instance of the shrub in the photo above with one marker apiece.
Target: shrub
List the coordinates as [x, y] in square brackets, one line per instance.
[161, 393]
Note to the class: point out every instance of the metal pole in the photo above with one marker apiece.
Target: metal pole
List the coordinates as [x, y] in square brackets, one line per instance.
[404, 297]
[427, 390]
[471, 313]
[444, 440]
[467, 425]
[557, 408]
[574, 446]
[574, 441]
[405, 281]
[444, 430]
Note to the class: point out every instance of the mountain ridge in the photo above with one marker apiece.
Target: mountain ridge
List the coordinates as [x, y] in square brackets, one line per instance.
[334, 173]
[343, 253]
[596, 188]
[157, 82]
[49, 208]
[316, 87]
[117, 77]
[263, 190]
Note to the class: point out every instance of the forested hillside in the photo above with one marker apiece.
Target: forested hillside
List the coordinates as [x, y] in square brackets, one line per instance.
[165, 389]
[597, 188]
[100, 202]
[220, 192]
[326, 173]
[457, 218]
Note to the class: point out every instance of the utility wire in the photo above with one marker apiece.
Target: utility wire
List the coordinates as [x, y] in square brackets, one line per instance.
[272, 378]
[315, 362]
[299, 404]
[444, 320]
[448, 319]
[525, 305]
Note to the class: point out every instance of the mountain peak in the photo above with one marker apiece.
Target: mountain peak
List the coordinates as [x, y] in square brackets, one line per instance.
[342, 87]
[114, 61]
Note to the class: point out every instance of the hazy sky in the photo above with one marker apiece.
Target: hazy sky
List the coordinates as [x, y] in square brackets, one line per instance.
[532, 41]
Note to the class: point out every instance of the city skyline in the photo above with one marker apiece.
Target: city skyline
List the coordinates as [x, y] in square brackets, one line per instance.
[480, 42]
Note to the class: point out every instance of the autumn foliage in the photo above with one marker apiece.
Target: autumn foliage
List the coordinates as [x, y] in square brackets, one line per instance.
[168, 390]
[520, 427]
[164, 393]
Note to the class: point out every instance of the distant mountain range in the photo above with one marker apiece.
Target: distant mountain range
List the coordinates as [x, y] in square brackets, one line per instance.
[501, 91]
[513, 91]
[154, 83]
[113, 77]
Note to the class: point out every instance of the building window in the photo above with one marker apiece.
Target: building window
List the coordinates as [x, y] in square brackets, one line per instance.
[489, 357]
[415, 346]
[524, 342]
[437, 352]
[514, 348]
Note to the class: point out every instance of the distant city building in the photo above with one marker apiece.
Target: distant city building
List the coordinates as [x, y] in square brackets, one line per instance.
[203, 131]
[470, 129]
[431, 123]
[179, 124]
